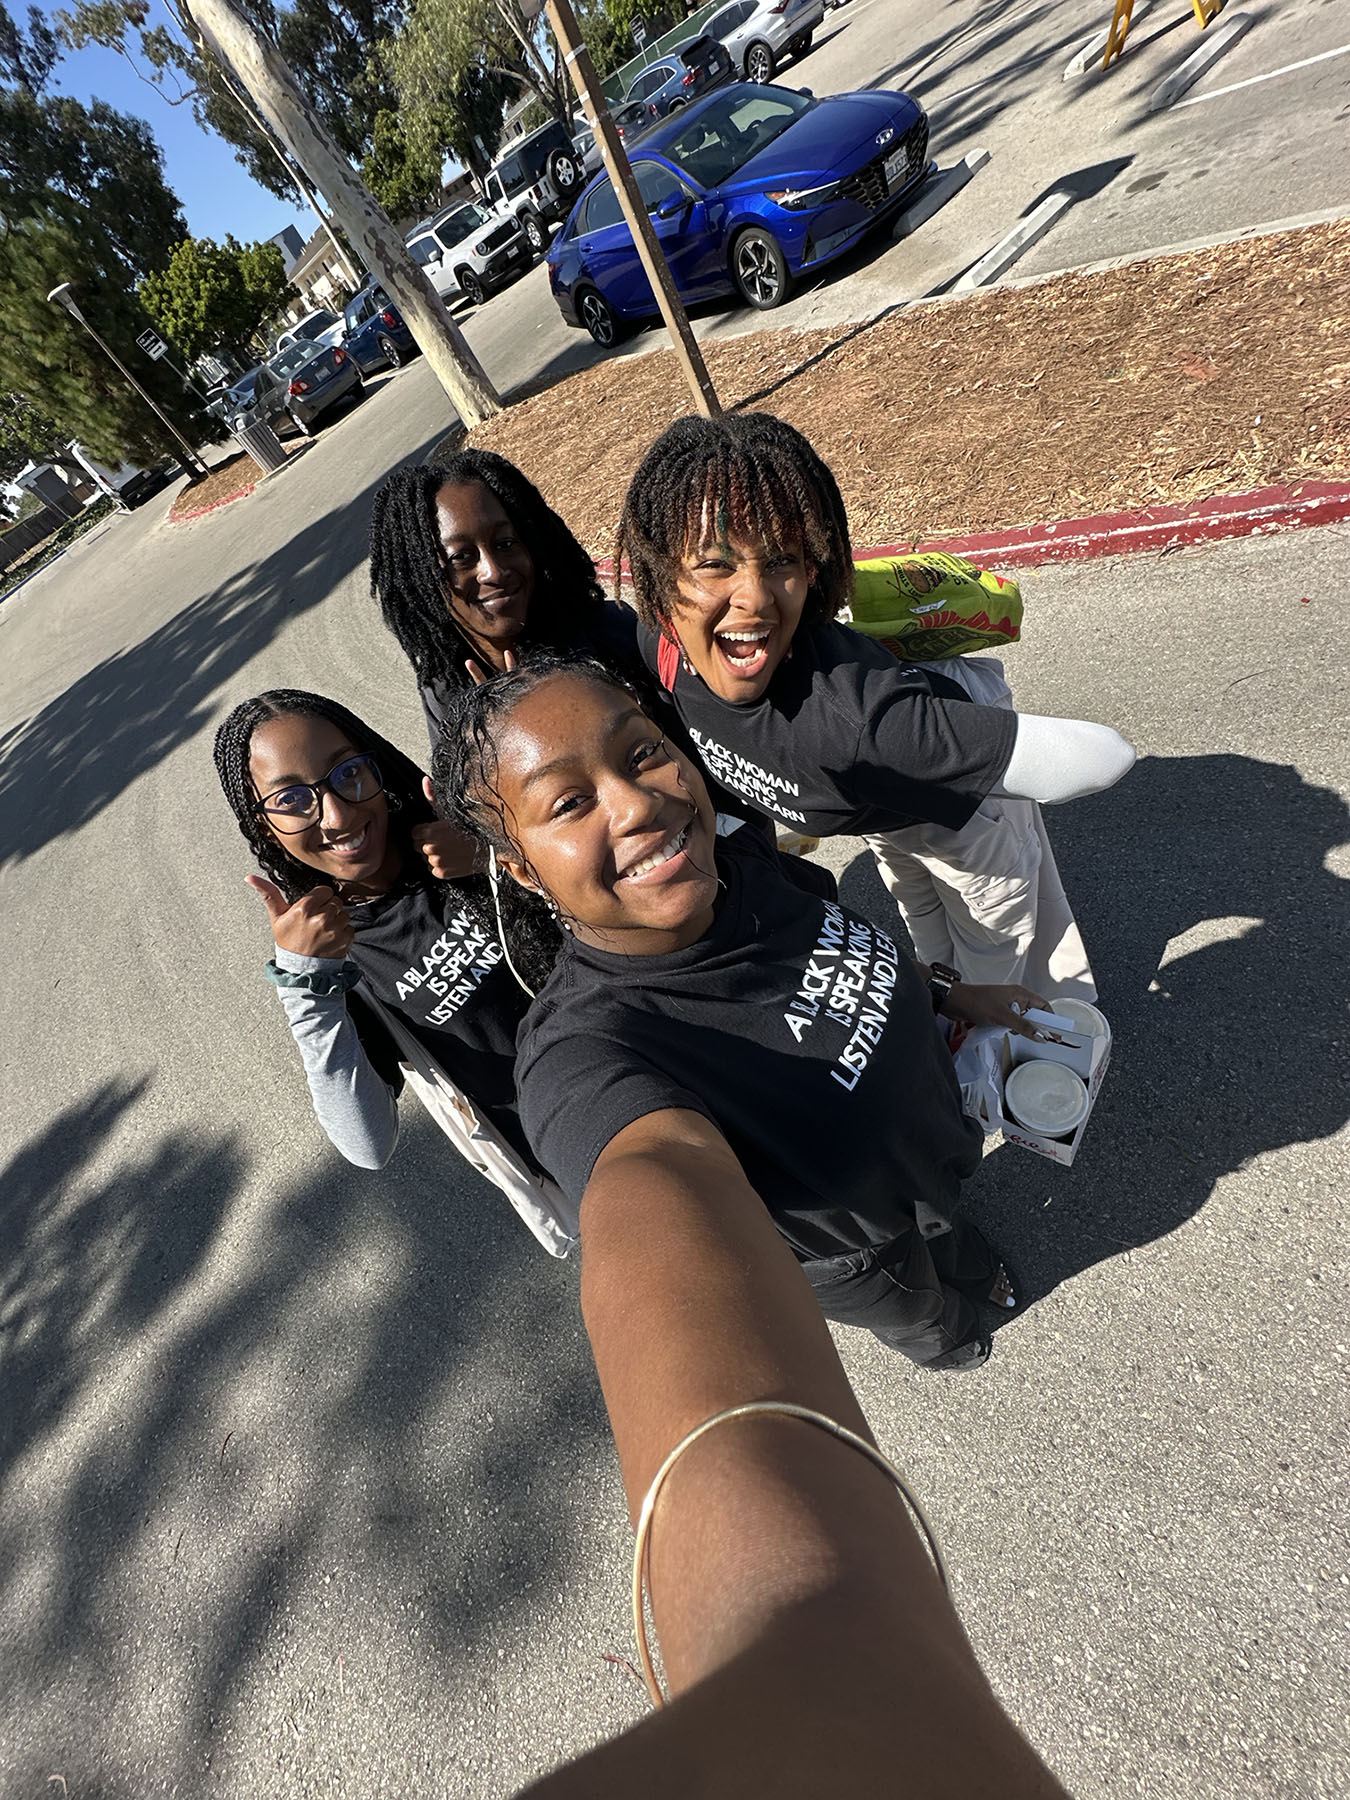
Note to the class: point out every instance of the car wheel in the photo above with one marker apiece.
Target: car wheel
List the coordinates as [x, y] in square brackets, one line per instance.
[305, 429]
[358, 393]
[564, 171]
[471, 287]
[759, 63]
[534, 234]
[599, 318]
[391, 353]
[760, 269]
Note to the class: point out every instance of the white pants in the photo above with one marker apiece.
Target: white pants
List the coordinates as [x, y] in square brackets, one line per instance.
[987, 899]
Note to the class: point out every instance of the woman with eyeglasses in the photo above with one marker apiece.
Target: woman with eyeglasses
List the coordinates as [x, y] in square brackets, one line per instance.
[384, 970]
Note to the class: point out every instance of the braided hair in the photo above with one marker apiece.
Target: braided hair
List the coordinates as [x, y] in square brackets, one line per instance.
[401, 776]
[751, 475]
[408, 564]
[464, 774]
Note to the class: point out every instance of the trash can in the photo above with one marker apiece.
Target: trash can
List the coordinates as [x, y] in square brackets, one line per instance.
[262, 444]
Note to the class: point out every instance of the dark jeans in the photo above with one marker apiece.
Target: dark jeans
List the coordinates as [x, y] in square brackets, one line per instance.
[901, 1291]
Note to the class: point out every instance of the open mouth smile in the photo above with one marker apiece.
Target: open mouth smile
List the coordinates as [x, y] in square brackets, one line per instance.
[745, 653]
[350, 846]
[662, 864]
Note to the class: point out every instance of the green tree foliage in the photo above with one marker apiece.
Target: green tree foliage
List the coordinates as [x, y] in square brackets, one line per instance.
[333, 49]
[263, 269]
[405, 181]
[26, 434]
[442, 41]
[27, 57]
[213, 296]
[82, 199]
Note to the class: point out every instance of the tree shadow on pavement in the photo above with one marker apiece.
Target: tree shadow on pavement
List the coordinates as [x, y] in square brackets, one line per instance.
[1213, 922]
[224, 1401]
[61, 767]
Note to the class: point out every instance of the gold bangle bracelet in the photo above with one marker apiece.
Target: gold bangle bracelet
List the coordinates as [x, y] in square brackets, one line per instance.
[755, 1409]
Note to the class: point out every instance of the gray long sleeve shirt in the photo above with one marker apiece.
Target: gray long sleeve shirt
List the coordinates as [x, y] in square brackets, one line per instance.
[355, 1105]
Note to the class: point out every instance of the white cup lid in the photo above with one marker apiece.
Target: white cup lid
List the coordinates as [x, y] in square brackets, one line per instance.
[1082, 1014]
[1046, 1098]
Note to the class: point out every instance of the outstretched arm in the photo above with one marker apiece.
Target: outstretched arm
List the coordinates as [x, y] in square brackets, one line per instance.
[806, 1637]
[1063, 759]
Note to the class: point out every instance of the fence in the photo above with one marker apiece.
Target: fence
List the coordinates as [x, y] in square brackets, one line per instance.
[616, 85]
[16, 539]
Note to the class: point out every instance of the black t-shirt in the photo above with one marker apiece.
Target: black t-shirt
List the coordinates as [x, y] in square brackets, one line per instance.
[794, 1025]
[430, 955]
[846, 739]
[609, 634]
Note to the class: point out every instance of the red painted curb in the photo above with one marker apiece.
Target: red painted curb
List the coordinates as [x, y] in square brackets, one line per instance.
[1145, 528]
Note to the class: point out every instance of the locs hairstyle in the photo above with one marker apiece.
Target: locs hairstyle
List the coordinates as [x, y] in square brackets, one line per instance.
[748, 475]
[401, 776]
[408, 564]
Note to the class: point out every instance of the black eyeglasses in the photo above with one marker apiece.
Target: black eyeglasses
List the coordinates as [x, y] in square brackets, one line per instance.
[354, 778]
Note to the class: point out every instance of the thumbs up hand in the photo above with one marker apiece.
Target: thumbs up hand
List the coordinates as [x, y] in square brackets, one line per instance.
[449, 854]
[314, 925]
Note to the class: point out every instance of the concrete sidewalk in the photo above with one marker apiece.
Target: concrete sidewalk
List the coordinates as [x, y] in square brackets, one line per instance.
[305, 1487]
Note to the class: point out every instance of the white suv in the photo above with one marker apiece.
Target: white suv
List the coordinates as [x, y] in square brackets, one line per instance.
[465, 249]
[536, 182]
[758, 35]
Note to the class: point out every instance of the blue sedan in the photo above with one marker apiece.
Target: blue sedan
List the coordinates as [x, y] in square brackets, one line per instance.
[748, 190]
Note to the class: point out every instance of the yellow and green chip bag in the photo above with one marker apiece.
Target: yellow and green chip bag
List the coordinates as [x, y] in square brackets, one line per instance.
[926, 606]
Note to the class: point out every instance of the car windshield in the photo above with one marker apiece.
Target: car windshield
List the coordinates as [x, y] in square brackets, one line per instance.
[293, 358]
[311, 328]
[458, 226]
[725, 134]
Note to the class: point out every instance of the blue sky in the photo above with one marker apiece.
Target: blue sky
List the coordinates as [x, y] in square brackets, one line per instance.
[217, 195]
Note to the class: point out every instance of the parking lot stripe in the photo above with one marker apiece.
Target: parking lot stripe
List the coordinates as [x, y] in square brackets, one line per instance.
[1252, 80]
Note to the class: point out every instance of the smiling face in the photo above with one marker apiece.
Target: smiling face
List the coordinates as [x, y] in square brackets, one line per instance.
[738, 605]
[349, 842]
[607, 819]
[489, 573]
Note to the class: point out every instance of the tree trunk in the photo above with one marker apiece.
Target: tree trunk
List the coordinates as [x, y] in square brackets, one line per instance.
[259, 68]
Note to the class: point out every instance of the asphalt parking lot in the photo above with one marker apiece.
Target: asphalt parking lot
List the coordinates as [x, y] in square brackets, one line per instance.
[990, 76]
[305, 1488]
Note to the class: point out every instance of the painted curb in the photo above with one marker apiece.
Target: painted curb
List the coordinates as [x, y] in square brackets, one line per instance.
[1142, 530]
[1217, 41]
[1146, 528]
[1091, 52]
[1019, 240]
[943, 185]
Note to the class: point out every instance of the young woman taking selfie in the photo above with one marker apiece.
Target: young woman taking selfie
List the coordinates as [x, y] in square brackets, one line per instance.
[698, 1000]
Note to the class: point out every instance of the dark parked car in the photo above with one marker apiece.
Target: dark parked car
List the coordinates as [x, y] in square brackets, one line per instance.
[301, 382]
[748, 190]
[226, 403]
[634, 119]
[683, 74]
[376, 332]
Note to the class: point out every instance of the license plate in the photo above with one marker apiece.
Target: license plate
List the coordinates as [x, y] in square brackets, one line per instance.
[897, 170]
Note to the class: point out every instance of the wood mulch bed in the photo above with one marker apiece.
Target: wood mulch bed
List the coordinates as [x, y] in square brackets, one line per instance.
[230, 480]
[1171, 379]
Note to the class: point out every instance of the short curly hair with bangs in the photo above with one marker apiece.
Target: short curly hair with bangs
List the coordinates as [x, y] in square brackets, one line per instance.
[759, 479]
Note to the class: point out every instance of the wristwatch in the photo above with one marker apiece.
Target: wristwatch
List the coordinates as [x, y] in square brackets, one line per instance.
[941, 980]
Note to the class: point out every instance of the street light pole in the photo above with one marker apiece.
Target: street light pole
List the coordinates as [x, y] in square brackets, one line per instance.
[62, 296]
